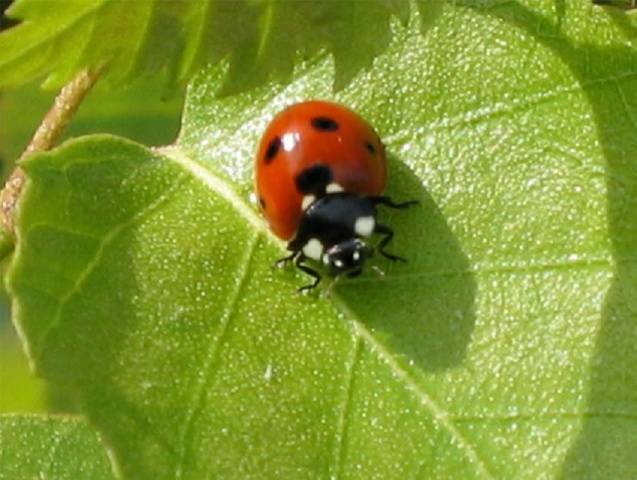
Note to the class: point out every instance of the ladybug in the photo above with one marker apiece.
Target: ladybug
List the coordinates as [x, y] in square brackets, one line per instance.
[320, 173]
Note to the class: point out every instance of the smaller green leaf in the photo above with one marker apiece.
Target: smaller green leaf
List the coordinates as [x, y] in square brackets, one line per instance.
[55, 448]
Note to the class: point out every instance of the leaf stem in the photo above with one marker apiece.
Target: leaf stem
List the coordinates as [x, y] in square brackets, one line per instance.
[45, 137]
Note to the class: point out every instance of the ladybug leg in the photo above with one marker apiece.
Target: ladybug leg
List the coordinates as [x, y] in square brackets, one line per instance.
[281, 262]
[313, 273]
[389, 234]
[388, 202]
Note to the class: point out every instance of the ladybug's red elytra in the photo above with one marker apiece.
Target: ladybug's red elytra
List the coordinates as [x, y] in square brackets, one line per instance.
[320, 173]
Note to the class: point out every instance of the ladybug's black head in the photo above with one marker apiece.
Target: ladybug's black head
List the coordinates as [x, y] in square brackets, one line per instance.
[347, 257]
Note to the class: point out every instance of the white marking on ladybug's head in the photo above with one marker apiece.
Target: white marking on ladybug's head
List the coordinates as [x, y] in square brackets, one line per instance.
[307, 201]
[356, 256]
[364, 226]
[326, 258]
[333, 188]
[338, 263]
[313, 249]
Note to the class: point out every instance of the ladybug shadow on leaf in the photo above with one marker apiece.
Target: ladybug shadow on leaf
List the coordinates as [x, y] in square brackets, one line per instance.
[422, 309]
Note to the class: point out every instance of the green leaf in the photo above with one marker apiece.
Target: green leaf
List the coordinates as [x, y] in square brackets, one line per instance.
[261, 39]
[134, 38]
[504, 348]
[50, 448]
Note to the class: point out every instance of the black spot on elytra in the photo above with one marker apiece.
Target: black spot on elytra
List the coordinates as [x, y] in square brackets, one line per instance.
[370, 147]
[325, 124]
[273, 149]
[314, 180]
[261, 203]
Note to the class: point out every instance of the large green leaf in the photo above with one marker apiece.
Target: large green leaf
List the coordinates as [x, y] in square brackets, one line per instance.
[50, 448]
[260, 38]
[504, 348]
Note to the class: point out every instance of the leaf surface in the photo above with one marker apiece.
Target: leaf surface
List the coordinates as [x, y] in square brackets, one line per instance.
[502, 349]
[50, 448]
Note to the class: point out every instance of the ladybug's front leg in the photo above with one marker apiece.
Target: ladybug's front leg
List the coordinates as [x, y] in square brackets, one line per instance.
[389, 234]
[388, 202]
[313, 273]
[281, 262]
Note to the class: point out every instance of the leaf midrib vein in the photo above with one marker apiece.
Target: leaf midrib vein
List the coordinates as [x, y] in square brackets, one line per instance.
[221, 187]
[442, 417]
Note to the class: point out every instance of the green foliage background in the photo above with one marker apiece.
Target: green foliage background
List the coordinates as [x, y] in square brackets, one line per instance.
[142, 279]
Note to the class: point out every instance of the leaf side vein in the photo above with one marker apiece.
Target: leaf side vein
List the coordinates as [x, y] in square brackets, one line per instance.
[95, 261]
[210, 361]
[344, 409]
[440, 415]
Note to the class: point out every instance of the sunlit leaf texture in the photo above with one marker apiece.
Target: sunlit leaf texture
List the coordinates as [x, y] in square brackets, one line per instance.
[504, 348]
[50, 448]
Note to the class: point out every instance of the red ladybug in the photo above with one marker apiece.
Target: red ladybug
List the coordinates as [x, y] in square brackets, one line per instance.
[320, 172]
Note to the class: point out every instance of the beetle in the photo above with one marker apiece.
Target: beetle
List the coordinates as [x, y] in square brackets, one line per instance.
[320, 172]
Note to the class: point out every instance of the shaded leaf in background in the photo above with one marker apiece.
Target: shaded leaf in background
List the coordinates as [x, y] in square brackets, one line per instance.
[504, 348]
[139, 113]
[625, 4]
[4, 21]
[262, 39]
[50, 448]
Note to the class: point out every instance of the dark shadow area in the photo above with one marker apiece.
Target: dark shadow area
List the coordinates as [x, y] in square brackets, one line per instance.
[621, 4]
[607, 439]
[6, 22]
[422, 309]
